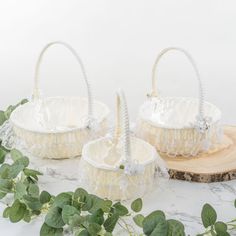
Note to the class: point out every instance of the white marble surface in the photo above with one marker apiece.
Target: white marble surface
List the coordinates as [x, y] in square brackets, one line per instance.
[178, 199]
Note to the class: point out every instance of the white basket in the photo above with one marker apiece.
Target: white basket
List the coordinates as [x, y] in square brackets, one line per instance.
[121, 167]
[179, 125]
[58, 127]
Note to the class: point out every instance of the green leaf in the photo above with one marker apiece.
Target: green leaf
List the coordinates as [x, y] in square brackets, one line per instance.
[54, 218]
[27, 216]
[3, 154]
[208, 215]
[120, 209]
[137, 205]
[6, 212]
[97, 217]
[155, 224]
[6, 185]
[81, 194]
[88, 203]
[67, 212]
[83, 233]
[32, 202]
[4, 171]
[138, 220]
[99, 203]
[62, 199]
[76, 220]
[235, 203]
[17, 211]
[45, 197]
[110, 222]
[2, 195]
[20, 190]
[94, 228]
[220, 227]
[15, 169]
[50, 231]
[3, 118]
[33, 190]
[32, 173]
[175, 228]
[108, 234]
[16, 154]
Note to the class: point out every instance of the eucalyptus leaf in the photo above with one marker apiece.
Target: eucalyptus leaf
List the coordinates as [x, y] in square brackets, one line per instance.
[27, 216]
[16, 154]
[15, 169]
[2, 195]
[20, 190]
[111, 222]
[50, 231]
[32, 173]
[6, 212]
[76, 220]
[83, 233]
[155, 224]
[80, 194]
[67, 212]
[94, 228]
[54, 218]
[175, 228]
[138, 220]
[6, 185]
[17, 211]
[32, 202]
[45, 197]
[88, 203]
[208, 215]
[5, 171]
[120, 209]
[99, 203]
[137, 205]
[3, 154]
[33, 190]
[220, 227]
[62, 199]
[97, 217]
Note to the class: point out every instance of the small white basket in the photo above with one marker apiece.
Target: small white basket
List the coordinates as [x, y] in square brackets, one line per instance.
[121, 167]
[58, 127]
[179, 125]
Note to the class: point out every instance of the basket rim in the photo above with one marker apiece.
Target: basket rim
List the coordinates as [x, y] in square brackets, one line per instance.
[17, 124]
[109, 168]
[187, 126]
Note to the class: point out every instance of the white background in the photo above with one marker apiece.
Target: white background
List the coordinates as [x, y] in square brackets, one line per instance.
[118, 42]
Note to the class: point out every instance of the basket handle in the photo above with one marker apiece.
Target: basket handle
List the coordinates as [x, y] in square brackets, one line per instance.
[122, 125]
[36, 93]
[154, 72]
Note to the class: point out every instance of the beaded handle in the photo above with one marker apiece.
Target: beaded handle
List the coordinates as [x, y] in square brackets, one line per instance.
[36, 78]
[154, 71]
[122, 124]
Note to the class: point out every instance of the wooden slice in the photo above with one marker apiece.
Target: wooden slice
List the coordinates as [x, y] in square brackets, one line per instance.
[211, 167]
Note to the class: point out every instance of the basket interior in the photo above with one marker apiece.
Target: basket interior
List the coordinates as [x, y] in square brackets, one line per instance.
[176, 112]
[56, 114]
[96, 152]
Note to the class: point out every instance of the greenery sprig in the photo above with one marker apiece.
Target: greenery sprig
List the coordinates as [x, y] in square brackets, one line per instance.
[79, 212]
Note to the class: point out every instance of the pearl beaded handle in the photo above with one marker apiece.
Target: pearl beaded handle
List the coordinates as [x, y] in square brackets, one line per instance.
[122, 124]
[154, 71]
[38, 65]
